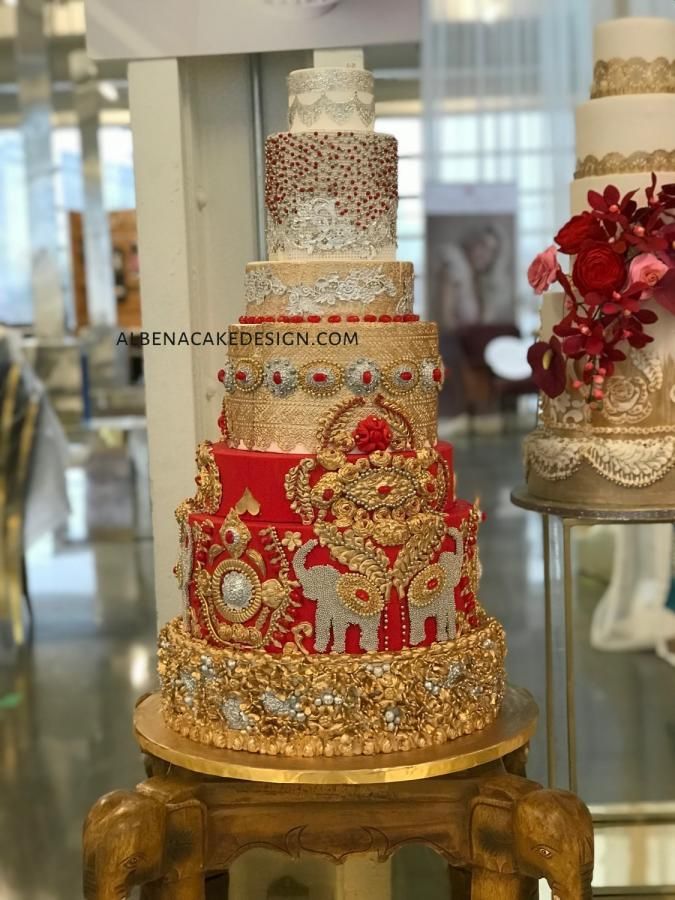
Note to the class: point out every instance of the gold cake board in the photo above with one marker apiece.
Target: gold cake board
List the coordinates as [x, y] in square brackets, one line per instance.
[512, 729]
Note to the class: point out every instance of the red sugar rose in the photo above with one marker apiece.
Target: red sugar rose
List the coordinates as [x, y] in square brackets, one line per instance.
[579, 229]
[372, 434]
[598, 268]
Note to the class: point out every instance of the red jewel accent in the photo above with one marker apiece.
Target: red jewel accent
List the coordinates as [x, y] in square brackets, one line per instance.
[198, 479]
[256, 320]
[320, 376]
[297, 319]
[437, 374]
[431, 487]
[369, 317]
[432, 583]
[353, 318]
[276, 377]
[406, 376]
[221, 375]
[328, 494]
[230, 537]
[367, 377]
[334, 318]
[221, 423]
[385, 318]
[284, 318]
[384, 489]
[313, 318]
[399, 319]
[361, 594]
[240, 376]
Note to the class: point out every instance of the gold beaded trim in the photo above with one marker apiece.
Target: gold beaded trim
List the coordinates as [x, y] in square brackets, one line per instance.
[633, 76]
[331, 704]
[618, 164]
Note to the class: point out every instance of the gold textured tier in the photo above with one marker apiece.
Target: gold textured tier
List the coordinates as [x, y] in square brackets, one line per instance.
[287, 386]
[620, 453]
[339, 287]
[294, 704]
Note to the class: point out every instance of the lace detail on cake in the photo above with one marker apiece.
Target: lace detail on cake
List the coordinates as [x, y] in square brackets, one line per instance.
[618, 164]
[627, 400]
[338, 111]
[359, 286]
[628, 463]
[633, 76]
[328, 79]
[317, 227]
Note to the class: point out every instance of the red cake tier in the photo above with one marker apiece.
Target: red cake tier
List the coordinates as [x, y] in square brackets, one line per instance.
[331, 553]
[263, 475]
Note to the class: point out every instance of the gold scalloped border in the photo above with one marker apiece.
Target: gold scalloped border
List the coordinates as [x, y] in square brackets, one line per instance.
[370, 703]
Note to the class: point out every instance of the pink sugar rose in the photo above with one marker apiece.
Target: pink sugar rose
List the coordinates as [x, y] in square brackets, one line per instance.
[647, 268]
[543, 270]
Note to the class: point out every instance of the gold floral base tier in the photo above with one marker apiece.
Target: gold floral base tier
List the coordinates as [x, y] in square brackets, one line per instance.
[294, 704]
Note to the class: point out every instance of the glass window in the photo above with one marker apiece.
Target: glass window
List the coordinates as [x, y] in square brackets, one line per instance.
[15, 287]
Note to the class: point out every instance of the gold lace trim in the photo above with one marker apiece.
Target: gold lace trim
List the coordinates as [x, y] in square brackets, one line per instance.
[633, 76]
[618, 164]
[334, 704]
[627, 463]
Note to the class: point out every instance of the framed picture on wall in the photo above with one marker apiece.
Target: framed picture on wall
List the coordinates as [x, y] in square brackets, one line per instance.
[471, 284]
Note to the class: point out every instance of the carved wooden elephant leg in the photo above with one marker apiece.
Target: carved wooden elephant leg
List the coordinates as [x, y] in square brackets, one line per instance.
[486, 885]
[190, 888]
[218, 886]
[460, 884]
[515, 762]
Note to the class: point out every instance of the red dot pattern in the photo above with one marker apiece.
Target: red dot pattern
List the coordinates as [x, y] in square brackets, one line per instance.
[358, 171]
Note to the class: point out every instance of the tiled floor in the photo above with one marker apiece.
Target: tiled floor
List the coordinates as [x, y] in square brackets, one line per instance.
[66, 702]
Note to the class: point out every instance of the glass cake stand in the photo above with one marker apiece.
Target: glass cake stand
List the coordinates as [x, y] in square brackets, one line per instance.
[570, 515]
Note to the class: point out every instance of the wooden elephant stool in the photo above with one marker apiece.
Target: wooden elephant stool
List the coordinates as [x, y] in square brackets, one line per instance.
[499, 832]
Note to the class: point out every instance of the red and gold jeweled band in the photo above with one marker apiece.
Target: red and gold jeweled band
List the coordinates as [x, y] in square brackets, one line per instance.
[287, 384]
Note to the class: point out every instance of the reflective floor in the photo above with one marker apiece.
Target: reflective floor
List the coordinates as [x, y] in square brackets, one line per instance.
[66, 701]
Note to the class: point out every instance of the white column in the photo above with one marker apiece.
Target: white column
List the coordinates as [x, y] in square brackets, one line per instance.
[101, 302]
[192, 127]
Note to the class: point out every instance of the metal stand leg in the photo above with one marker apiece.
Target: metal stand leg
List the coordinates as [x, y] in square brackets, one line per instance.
[548, 627]
[568, 587]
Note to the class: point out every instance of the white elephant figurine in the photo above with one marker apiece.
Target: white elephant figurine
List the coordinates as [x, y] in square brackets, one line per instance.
[319, 583]
[441, 606]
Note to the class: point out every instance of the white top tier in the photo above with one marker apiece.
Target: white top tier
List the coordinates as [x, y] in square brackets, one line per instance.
[331, 99]
[630, 38]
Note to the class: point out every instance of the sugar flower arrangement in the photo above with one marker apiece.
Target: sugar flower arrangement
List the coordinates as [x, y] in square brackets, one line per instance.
[624, 256]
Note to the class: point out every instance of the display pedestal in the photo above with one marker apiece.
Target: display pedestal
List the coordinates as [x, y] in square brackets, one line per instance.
[570, 515]
[183, 826]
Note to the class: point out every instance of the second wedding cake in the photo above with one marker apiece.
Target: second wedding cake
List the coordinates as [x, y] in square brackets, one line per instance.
[606, 358]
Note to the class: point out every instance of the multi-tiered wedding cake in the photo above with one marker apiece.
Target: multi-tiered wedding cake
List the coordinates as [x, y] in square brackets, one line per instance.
[606, 361]
[329, 574]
